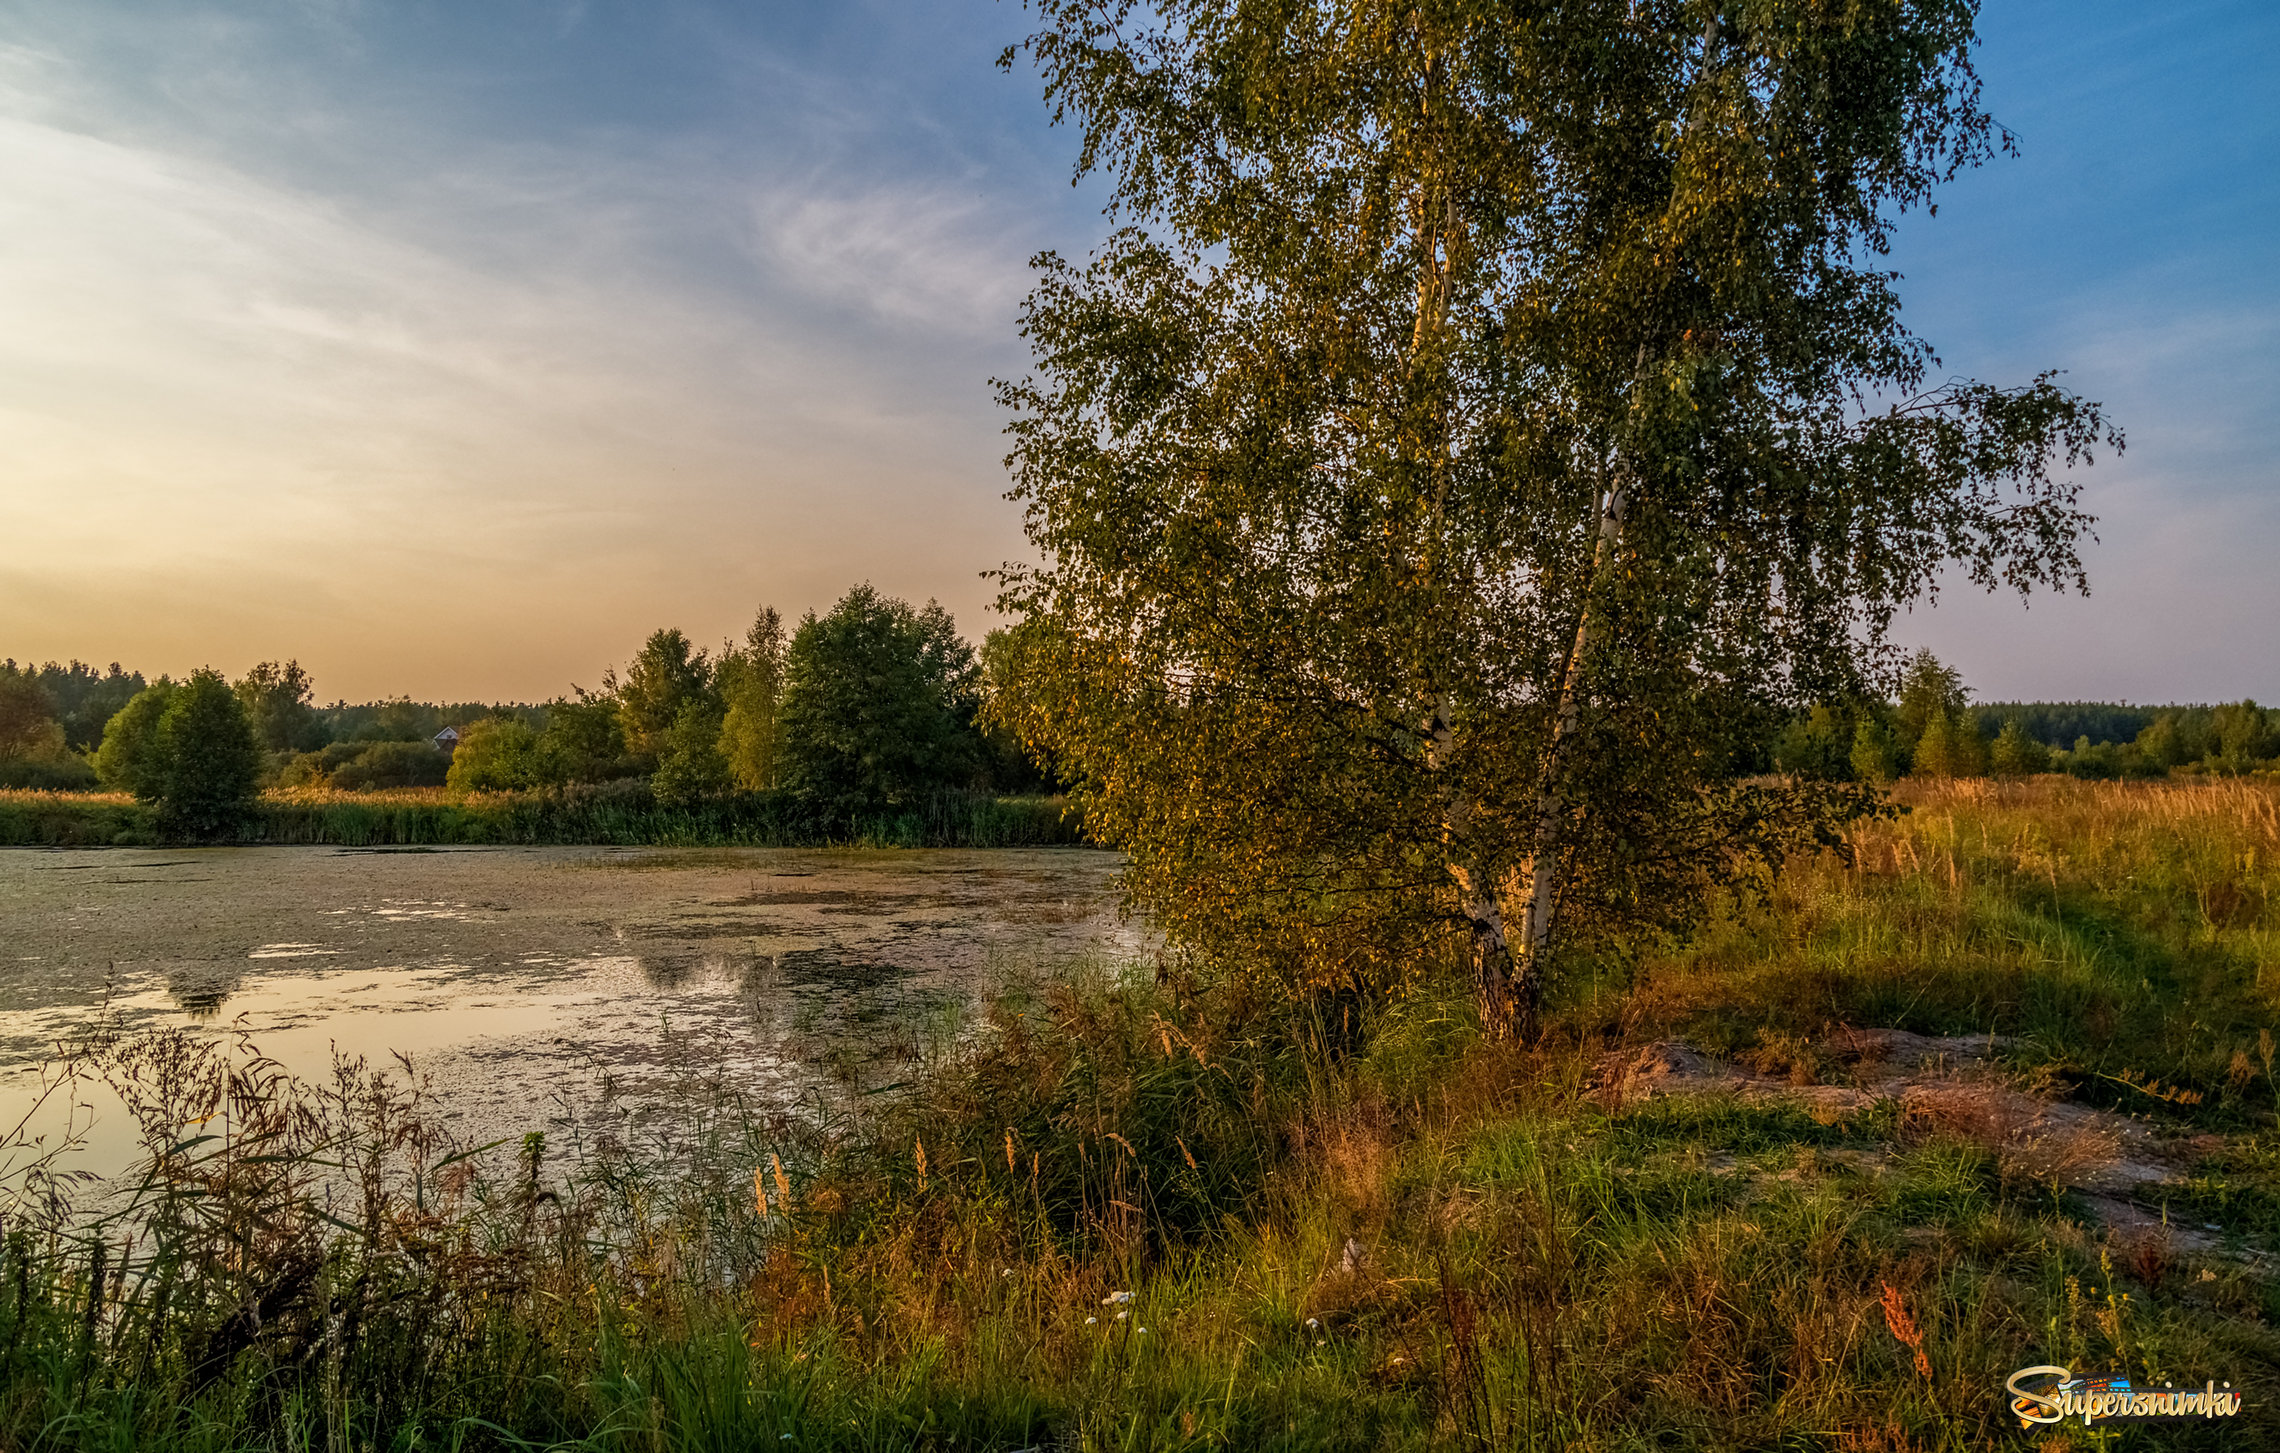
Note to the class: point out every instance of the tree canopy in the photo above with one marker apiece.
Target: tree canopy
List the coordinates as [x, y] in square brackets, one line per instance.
[1479, 413]
[878, 705]
[665, 677]
[205, 760]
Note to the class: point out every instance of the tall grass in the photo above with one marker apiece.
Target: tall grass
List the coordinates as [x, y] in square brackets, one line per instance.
[2115, 933]
[615, 814]
[1339, 1224]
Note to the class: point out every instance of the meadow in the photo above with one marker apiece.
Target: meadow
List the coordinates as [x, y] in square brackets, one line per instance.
[617, 814]
[1132, 1211]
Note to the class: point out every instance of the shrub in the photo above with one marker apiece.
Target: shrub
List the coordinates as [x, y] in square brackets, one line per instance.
[393, 764]
[497, 754]
[128, 759]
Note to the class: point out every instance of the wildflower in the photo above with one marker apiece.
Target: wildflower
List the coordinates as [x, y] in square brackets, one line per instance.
[1120, 1316]
[1089, 1321]
[1313, 1324]
[1143, 1331]
[1116, 1299]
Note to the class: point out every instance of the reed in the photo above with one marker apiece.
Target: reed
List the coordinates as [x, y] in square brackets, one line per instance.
[613, 814]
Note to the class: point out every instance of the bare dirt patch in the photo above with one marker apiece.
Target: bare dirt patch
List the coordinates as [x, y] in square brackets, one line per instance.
[1943, 1087]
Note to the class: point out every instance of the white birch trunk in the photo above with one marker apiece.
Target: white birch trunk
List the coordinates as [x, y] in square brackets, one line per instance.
[1543, 872]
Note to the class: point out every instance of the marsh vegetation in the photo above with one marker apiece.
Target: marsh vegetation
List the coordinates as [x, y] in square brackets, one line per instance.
[1339, 1225]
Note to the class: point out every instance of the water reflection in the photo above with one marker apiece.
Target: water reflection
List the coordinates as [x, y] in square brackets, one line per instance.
[200, 989]
[516, 976]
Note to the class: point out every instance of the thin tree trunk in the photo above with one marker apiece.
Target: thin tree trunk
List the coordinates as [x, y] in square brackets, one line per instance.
[1490, 947]
[1530, 962]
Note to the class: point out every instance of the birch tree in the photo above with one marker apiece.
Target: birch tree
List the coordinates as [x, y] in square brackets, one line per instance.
[1480, 413]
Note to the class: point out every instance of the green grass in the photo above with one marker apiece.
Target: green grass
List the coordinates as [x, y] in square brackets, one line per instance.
[1388, 1234]
[614, 814]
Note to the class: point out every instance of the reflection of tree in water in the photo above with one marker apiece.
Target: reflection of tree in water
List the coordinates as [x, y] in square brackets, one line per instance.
[666, 971]
[828, 969]
[201, 987]
[671, 971]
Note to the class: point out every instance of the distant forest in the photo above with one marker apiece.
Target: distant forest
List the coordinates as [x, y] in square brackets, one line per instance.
[878, 700]
[874, 704]
[1934, 730]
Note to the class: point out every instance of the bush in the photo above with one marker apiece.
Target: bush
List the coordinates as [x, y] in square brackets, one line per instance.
[393, 764]
[497, 754]
[128, 759]
[68, 772]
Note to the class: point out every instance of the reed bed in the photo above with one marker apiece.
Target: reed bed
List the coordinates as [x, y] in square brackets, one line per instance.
[613, 814]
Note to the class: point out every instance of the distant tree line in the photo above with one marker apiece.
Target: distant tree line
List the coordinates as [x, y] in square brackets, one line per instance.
[867, 709]
[1933, 730]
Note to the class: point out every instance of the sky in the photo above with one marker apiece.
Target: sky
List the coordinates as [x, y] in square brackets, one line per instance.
[449, 349]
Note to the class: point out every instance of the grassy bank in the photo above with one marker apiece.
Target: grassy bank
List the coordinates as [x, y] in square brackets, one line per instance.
[1338, 1225]
[615, 814]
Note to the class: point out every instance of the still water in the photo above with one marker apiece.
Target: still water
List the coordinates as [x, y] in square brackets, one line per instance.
[519, 980]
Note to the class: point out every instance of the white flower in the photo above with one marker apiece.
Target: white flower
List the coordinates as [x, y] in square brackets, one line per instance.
[1143, 1331]
[1089, 1321]
[1120, 1316]
[1313, 1323]
[1116, 1299]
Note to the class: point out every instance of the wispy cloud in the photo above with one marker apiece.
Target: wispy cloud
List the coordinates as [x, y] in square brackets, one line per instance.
[937, 258]
[518, 408]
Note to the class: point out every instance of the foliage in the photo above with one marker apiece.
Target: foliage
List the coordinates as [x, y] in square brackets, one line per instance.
[1929, 688]
[496, 754]
[878, 705]
[2059, 723]
[1819, 744]
[2015, 754]
[690, 766]
[1874, 756]
[1479, 422]
[584, 741]
[2245, 735]
[404, 720]
[276, 701]
[128, 760]
[34, 747]
[206, 765]
[1949, 747]
[663, 679]
[1010, 661]
[28, 727]
[375, 765]
[81, 698]
[751, 683]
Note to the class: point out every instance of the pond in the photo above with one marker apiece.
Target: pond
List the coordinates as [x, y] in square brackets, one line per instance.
[521, 981]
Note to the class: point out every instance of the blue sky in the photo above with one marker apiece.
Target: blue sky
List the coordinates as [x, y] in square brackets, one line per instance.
[450, 347]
